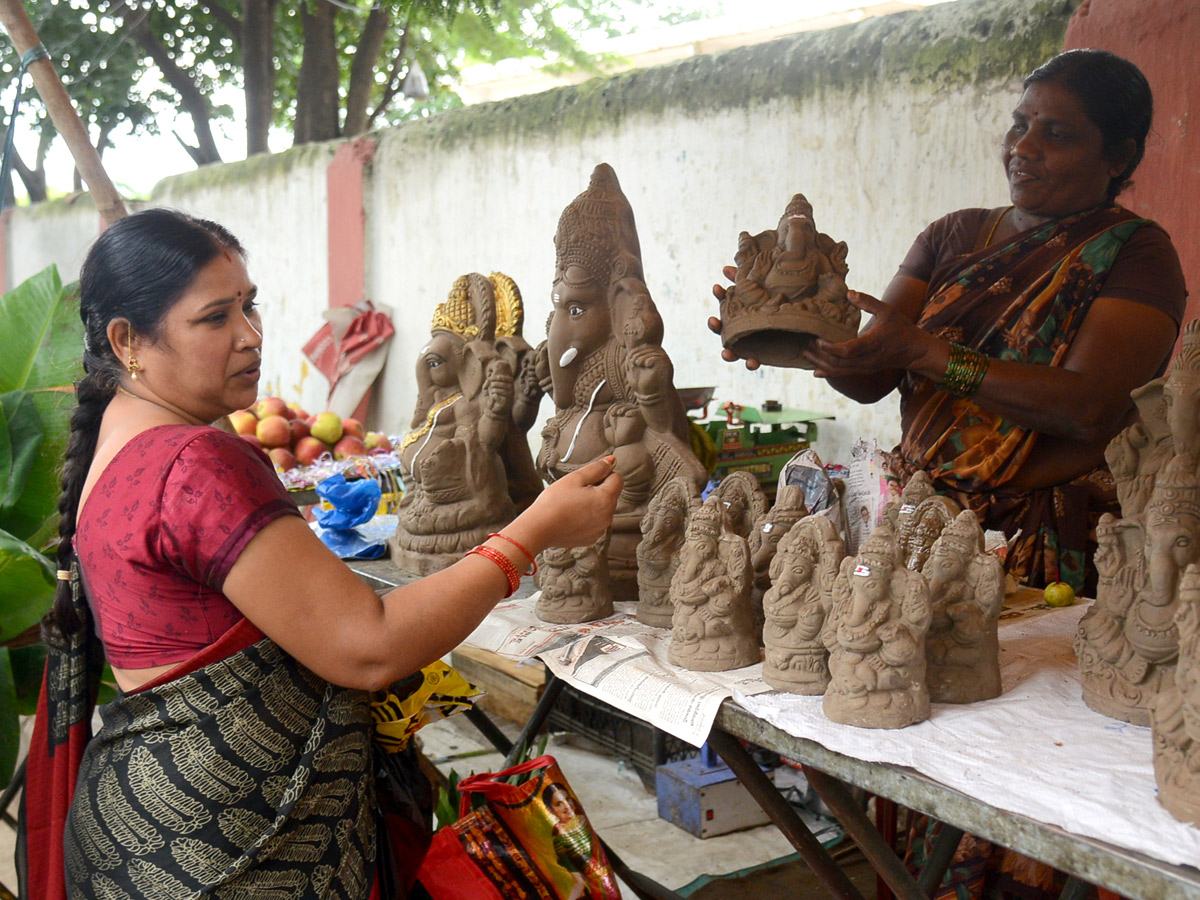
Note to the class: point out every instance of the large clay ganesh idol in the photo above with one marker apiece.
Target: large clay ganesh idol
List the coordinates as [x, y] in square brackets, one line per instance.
[790, 288]
[466, 464]
[609, 377]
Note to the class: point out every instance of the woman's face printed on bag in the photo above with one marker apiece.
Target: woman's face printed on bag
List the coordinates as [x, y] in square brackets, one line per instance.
[562, 806]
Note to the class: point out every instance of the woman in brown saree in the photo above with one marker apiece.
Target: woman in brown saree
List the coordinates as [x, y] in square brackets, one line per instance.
[237, 759]
[1015, 335]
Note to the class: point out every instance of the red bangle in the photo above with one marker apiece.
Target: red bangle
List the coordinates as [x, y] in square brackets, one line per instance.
[528, 555]
[505, 564]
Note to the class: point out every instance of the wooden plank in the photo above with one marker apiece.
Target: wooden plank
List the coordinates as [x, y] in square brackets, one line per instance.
[512, 690]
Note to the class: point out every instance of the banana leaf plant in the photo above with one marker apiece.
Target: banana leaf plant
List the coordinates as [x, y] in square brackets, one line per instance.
[39, 362]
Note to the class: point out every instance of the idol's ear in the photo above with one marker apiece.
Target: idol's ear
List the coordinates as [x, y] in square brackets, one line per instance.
[635, 318]
[472, 370]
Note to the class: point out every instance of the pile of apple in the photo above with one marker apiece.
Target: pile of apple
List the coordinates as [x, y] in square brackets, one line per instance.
[293, 438]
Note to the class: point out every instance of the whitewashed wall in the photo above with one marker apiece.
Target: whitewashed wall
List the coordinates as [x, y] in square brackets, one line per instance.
[884, 125]
[50, 234]
[277, 208]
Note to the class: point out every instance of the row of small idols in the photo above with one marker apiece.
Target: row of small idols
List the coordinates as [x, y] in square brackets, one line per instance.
[912, 617]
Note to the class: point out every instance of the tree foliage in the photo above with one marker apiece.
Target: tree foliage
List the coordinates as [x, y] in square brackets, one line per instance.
[320, 68]
[98, 71]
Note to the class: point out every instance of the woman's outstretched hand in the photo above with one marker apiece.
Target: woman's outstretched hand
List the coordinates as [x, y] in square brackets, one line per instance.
[714, 324]
[575, 510]
[891, 342]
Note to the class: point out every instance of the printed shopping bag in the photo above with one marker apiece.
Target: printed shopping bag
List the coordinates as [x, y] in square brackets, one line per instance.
[530, 841]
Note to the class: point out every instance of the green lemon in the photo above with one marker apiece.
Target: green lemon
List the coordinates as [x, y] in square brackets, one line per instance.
[1059, 593]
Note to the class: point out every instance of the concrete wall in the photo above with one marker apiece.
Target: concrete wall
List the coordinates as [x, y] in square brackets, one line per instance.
[277, 208]
[48, 234]
[884, 125]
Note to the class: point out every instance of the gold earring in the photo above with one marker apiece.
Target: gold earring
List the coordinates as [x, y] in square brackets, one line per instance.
[133, 367]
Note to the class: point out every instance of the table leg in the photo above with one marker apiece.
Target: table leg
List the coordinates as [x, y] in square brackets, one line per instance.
[785, 818]
[1075, 889]
[537, 718]
[644, 887]
[488, 729]
[885, 822]
[938, 861]
[879, 854]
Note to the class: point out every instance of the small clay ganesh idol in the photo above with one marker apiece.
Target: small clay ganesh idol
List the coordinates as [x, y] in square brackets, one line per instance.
[1175, 713]
[790, 288]
[966, 587]
[603, 362]
[466, 464]
[876, 639]
[711, 628]
[658, 553]
[797, 604]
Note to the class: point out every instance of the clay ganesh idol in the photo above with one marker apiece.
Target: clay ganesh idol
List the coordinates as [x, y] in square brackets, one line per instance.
[711, 626]
[465, 462]
[966, 590]
[790, 287]
[769, 529]
[876, 639]
[606, 371]
[1175, 713]
[797, 604]
[658, 553]
[1125, 659]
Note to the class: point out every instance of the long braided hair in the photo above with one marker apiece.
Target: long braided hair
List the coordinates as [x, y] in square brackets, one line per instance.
[135, 271]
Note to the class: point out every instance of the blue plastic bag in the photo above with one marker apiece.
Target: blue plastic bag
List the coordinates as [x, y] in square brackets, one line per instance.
[354, 502]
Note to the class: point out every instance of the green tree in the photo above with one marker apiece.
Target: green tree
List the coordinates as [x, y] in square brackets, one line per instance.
[333, 68]
[99, 73]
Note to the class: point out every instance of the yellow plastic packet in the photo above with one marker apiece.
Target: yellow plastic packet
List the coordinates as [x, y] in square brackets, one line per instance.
[442, 693]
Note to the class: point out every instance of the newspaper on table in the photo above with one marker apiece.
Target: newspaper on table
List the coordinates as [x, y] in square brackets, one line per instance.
[620, 661]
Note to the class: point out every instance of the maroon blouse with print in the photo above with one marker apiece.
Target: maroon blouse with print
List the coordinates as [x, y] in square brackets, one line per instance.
[159, 533]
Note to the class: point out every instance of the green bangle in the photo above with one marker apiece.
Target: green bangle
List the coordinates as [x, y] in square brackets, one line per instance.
[965, 371]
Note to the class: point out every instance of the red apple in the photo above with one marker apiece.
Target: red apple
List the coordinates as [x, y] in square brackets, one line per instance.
[288, 413]
[298, 410]
[377, 442]
[269, 406]
[283, 458]
[243, 421]
[354, 428]
[349, 446]
[327, 428]
[308, 450]
[252, 440]
[298, 429]
[310, 421]
[273, 431]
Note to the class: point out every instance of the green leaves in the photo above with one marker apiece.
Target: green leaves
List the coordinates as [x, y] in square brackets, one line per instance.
[39, 361]
[26, 586]
[34, 316]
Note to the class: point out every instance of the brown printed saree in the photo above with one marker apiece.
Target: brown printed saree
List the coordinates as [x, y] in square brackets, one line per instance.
[1023, 301]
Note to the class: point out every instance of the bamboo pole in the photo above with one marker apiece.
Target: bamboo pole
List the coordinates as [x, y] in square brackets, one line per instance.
[62, 113]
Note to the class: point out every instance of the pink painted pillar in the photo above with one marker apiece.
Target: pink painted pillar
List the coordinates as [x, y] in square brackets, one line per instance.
[1160, 37]
[347, 229]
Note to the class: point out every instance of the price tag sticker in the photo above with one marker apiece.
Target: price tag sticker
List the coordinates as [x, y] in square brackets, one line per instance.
[907, 508]
[862, 569]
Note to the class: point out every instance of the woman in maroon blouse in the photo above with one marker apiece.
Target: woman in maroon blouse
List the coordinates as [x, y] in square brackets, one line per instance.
[238, 756]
